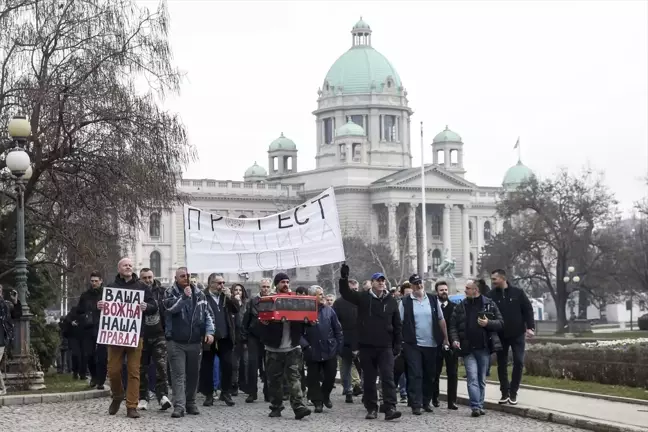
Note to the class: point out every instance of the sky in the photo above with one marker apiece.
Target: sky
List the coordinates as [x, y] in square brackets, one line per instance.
[569, 78]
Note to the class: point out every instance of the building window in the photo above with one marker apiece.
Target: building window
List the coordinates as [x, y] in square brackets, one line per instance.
[454, 158]
[357, 119]
[440, 157]
[197, 183]
[390, 128]
[436, 226]
[267, 274]
[487, 231]
[342, 152]
[436, 259]
[156, 263]
[472, 264]
[357, 152]
[292, 273]
[185, 183]
[470, 236]
[154, 225]
[275, 164]
[288, 162]
[329, 130]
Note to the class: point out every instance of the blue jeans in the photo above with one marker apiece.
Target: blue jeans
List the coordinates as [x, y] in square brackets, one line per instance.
[476, 366]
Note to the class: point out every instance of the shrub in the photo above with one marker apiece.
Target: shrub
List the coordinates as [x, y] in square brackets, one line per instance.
[45, 341]
[643, 322]
[622, 364]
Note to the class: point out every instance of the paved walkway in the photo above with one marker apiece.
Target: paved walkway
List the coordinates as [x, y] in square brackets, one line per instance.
[612, 412]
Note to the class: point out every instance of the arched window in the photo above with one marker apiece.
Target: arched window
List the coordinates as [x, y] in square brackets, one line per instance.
[436, 225]
[156, 263]
[487, 231]
[470, 231]
[472, 264]
[154, 225]
[436, 259]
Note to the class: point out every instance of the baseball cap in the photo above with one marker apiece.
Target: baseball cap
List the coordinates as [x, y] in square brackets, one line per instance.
[377, 276]
[415, 279]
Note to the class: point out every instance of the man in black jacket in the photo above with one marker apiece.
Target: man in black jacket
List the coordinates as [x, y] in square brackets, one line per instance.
[223, 310]
[250, 338]
[282, 341]
[449, 356]
[379, 340]
[518, 324]
[473, 330]
[347, 314]
[93, 356]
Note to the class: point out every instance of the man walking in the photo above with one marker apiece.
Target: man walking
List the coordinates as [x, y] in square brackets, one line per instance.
[283, 358]
[446, 355]
[517, 312]
[127, 279]
[379, 340]
[250, 337]
[222, 310]
[154, 346]
[424, 333]
[188, 324]
[473, 330]
[93, 356]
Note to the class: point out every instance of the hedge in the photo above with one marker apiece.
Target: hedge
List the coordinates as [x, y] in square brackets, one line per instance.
[620, 365]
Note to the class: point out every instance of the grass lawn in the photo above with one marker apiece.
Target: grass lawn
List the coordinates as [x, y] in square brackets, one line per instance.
[579, 386]
[617, 335]
[57, 383]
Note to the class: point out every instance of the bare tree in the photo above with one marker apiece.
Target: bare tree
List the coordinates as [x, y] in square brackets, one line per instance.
[90, 75]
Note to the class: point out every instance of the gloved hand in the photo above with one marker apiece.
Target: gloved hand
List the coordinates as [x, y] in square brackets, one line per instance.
[344, 271]
[396, 350]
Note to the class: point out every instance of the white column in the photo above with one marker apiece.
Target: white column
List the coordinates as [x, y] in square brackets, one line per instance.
[411, 233]
[373, 229]
[447, 244]
[173, 259]
[139, 235]
[393, 234]
[466, 241]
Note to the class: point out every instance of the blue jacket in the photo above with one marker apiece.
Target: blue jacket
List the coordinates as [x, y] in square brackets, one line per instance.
[187, 318]
[323, 341]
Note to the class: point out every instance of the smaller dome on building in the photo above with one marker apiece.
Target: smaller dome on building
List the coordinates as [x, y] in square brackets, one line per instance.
[516, 175]
[447, 135]
[350, 129]
[282, 143]
[255, 171]
[361, 25]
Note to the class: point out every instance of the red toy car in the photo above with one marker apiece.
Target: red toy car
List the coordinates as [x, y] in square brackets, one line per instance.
[288, 308]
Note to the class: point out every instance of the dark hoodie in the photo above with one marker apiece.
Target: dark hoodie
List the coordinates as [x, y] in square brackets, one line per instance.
[153, 325]
[87, 312]
[136, 284]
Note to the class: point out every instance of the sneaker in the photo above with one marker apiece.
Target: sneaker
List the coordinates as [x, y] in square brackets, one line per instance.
[513, 399]
[193, 410]
[371, 415]
[504, 399]
[177, 413]
[403, 399]
[165, 403]
[349, 398]
[209, 400]
[475, 413]
[392, 414]
[142, 405]
[417, 411]
[275, 413]
[328, 404]
[251, 398]
[357, 390]
[114, 406]
[482, 412]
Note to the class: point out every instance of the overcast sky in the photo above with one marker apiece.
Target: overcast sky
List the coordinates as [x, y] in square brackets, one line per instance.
[569, 78]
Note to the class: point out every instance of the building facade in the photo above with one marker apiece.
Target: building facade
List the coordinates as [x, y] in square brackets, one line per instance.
[363, 139]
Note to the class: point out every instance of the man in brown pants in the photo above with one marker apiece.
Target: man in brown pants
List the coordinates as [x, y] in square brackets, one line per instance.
[127, 279]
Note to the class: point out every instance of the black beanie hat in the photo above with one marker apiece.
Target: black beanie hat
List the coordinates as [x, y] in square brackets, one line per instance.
[279, 277]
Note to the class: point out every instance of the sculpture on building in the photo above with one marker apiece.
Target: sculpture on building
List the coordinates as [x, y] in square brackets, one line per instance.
[446, 268]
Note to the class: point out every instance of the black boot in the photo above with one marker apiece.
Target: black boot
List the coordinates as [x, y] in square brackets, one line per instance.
[209, 400]
[225, 397]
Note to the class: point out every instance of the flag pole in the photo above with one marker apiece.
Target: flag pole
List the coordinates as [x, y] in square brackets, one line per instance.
[519, 149]
[423, 212]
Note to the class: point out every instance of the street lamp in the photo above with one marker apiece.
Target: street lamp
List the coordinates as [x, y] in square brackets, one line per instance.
[18, 162]
[575, 279]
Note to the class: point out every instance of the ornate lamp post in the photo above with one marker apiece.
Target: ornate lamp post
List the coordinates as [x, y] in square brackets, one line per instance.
[575, 279]
[18, 162]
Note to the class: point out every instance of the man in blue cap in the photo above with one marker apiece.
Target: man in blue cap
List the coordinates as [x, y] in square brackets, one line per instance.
[379, 341]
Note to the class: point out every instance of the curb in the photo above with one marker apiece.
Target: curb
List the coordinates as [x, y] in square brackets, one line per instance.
[608, 398]
[587, 423]
[30, 399]
[549, 416]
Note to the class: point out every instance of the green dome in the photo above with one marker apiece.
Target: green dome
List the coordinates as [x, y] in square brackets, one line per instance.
[361, 69]
[361, 25]
[447, 135]
[350, 129]
[282, 143]
[255, 171]
[516, 175]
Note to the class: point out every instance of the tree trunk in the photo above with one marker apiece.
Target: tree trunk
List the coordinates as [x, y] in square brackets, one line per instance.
[561, 310]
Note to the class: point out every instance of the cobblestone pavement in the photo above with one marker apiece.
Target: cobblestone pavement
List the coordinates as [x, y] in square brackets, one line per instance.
[71, 416]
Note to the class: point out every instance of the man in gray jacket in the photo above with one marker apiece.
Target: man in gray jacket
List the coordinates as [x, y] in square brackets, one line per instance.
[188, 325]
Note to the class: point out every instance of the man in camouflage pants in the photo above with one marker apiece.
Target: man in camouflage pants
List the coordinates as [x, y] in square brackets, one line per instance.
[283, 358]
[154, 347]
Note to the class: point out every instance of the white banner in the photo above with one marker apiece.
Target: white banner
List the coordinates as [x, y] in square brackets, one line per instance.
[307, 235]
[121, 317]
